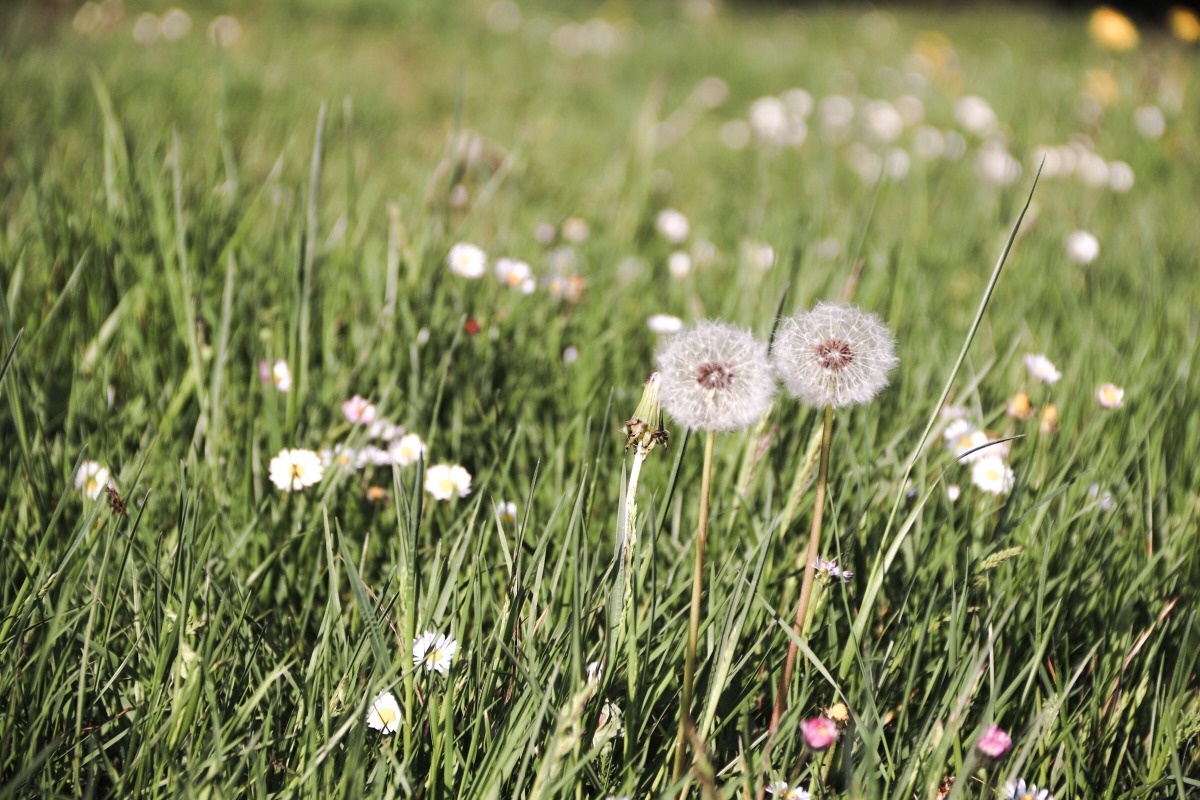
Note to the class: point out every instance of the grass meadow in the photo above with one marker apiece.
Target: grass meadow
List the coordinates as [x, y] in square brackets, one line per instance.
[186, 200]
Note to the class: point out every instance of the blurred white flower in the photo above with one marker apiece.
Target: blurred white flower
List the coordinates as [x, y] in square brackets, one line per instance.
[340, 456]
[798, 102]
[957, 429]
[1107, 503]
[507, 510]
[711, 91]
[679, 264]
[769, 119]
[446, 481]
[1150, 122]
[467, 261]
[896, 163]
[953, 492]
[975, 115]
[570, 355]
[1120, 176]
[883, 122]
[146, 28]
[434, 652]
[1042, 368]
[384, 713]
[672, 225]
[992, 475]
[504, 16]
[92, 478]
[664, 323]
[544, 233]
[759, 255]
[516, 275]
[358, 410]
[225, 31]
[575, 230]
[911, 109]
[1092, 169]
[407, 449]
[836, 111]
[1082, 247]
[996, 165]
[783, 791]
[293, 470]
[1110, 396]
[176, 24]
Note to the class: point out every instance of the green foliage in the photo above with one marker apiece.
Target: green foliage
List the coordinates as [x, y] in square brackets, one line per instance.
[172, 214]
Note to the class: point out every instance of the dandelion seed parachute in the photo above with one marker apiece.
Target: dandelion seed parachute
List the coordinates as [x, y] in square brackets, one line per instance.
[834, 354]
[715, 376]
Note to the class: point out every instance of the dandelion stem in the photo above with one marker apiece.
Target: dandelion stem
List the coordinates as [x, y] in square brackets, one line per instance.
[689, 664]
[814, 552]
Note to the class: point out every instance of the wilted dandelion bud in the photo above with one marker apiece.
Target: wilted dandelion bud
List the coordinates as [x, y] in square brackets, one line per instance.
[834, 354]
[645, 428]
[715, 376]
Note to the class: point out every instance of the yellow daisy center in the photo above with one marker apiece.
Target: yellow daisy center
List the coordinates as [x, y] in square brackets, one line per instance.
[386, 715]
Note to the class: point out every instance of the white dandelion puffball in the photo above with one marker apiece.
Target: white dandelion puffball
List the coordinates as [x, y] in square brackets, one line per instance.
[1110, 396]
[434, 652]
[92, 478]
[1082, 247]
[834, 354]
[991, 474]
[715, 377]
[384, 713]
[1042, 368]
[445, 481]
[407, 449]
[672, 225]
[664, 324]
[467, 261]
[293, 470]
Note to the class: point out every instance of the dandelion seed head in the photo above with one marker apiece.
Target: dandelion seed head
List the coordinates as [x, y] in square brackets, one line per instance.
[834, 354]
[715, 376]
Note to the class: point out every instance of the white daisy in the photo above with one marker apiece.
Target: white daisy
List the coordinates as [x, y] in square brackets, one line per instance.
[445, 481]
[1042, 368]
[407, 449]
[340, 456]
[953, 492]
[679, 264]
[1019, 790]
[1109, 395]
[1082, 247]
[672, 225]
[92, 478]
[434, 652]
[957, 429]
[467, 261]
[293, 470]
[508, 511]
[992, 475]
[384, 713]
[784, 792]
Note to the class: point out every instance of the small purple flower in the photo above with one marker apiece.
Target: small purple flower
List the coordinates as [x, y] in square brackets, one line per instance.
[994, 742]
[819, 732]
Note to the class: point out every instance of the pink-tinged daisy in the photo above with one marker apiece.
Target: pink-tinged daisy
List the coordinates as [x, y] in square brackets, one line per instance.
[819, 732]
[994, 742]
[1110, 396]
[359, 410]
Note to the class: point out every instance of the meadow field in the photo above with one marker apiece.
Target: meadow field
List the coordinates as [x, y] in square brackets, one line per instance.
[330, 467]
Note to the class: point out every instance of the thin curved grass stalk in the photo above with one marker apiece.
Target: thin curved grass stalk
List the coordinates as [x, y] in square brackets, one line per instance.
[814, 552]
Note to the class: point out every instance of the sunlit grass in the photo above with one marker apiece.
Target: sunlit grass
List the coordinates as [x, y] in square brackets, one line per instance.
[173, 214]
